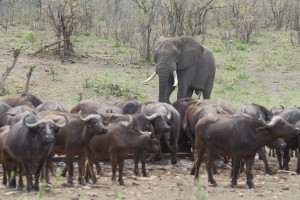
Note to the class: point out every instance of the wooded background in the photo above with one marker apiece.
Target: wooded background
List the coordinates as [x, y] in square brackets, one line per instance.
[139, 23]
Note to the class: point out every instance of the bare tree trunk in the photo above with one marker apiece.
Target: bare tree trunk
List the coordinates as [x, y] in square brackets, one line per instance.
[31, 68]
[17, 52]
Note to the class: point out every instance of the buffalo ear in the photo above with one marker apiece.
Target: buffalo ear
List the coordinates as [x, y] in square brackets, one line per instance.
[262, 130]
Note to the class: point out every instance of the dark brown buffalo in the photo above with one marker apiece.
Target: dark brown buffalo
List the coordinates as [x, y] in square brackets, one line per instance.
[3, 133]
[19, 99]
[4, 107]
[197, 110]
[52, 105]
[73, 139]
[94, 107]
[139, 122]
[256, 111]
[129, 106]
[29, 141]
[170, 131]
[116, 144]
[184, 143]
[239, 137]
[14, 113]
[188, 109]
[291, 115]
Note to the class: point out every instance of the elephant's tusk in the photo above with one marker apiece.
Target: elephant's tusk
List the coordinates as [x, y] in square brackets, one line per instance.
[175, 78]
[150, 78]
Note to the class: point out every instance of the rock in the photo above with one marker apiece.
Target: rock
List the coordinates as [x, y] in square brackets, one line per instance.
[286, 187]
[93, 194]
[9, 193]
[135, 184]
[241, 194]
[285, 172]
[86, 188]
[150, 178]
[75, 197]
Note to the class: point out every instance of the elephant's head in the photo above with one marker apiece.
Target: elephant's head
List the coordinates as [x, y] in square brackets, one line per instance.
[171, 56]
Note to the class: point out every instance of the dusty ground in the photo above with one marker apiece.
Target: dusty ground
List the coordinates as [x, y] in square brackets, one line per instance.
[166, 181]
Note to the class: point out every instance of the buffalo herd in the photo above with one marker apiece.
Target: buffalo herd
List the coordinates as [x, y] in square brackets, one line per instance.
[32, 132]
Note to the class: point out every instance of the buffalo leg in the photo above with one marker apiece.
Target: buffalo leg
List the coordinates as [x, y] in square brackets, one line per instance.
[37, 174]
[249, 175]
[90, 159]
[46, 168]
[279, 158]
[298, 165]
[263, 156]
[98, 168]
[209, 163]
[20, 182]
[143, 155]
[120, 166]
[235, 170]
[136, 159]
[28, 173]
[70, 166]
[198, 156]
[174, 149]
[113, 162]
[81, 166]
[286, 159]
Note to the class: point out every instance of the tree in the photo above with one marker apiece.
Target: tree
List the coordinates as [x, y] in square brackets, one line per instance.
[279, 10]
[65, 16]
[149, 9]
[243, 16]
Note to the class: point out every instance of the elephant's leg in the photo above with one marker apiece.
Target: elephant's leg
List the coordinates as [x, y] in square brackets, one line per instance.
[189, 92]
[209, 86]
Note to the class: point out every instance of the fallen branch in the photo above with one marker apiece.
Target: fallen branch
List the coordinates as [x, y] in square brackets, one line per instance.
[46, 46]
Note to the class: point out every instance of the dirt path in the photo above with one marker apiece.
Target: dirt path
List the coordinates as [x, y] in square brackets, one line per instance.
[166, 181]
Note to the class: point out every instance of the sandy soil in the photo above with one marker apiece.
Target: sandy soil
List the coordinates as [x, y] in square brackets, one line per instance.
[166, 181]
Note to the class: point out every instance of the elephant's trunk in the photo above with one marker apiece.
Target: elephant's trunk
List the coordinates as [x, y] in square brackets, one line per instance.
[166, 81]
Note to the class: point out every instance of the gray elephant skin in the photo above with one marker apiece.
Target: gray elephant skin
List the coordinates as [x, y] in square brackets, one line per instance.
[184, 62]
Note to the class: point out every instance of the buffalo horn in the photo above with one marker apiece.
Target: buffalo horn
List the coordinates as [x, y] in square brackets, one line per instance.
[127, 124]
[274, 120]
[145, 132]
[33, 124]
[91, 116]
[151, 117]
[150, 77]
[64, 124]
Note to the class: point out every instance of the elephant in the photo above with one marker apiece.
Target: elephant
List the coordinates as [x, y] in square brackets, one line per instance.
[184, 62]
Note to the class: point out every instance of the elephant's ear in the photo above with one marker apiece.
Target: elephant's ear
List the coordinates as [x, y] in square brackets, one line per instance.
[159, 41]
[191, 51]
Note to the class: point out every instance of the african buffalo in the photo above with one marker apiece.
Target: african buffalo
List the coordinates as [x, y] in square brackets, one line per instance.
[255, 111]
[19, 99]
[239, 137]
[94, 107]
[170, 133]
[28, 141]
[116, 144]
[72, 140]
